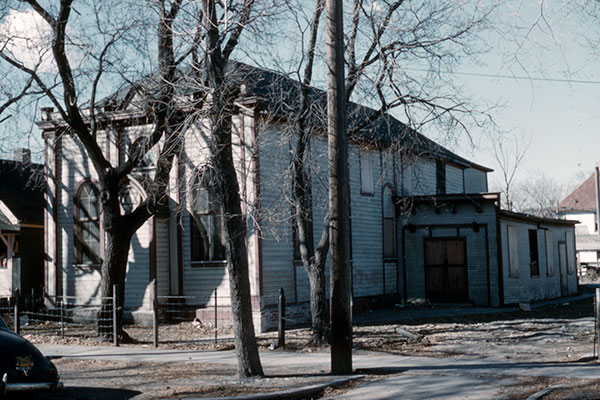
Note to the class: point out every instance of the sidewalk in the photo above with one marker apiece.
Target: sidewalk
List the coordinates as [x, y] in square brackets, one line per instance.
[410, 377]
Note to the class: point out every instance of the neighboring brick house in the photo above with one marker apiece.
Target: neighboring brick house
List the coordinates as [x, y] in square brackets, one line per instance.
[417, 209]
[21, 225]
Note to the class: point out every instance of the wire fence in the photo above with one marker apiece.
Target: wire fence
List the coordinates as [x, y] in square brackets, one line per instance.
[169, 320]
[64, 316]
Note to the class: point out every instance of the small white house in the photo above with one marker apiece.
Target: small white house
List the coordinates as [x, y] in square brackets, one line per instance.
[403, 243]
[580, 206]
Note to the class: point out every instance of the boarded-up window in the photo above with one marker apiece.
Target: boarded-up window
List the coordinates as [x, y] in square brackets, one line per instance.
[549, 253]
[534, 260]
[87, 225]
[513, 251]
[389, 237]
[570, 252]
[367, 186]
[440, 177]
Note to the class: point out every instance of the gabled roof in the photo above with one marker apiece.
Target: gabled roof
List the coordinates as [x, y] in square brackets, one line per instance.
[581, 199]
[22, 191]
[278, 95]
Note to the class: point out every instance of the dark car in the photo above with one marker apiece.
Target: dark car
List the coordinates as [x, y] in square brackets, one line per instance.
[22, 366]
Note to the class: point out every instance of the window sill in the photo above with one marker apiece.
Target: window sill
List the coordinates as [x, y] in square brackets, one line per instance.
[208, 264]
[88, 266]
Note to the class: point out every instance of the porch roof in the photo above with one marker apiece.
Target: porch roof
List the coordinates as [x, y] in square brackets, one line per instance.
[6, 226]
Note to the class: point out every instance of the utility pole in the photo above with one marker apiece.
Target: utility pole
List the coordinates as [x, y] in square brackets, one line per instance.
[341, 317]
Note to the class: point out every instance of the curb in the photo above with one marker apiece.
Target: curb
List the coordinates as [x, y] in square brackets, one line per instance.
[292, 394]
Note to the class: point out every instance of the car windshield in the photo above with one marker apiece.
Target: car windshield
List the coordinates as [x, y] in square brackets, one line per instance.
[3, 324]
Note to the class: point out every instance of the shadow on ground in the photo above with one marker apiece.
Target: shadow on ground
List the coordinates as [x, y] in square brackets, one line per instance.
[80, 393]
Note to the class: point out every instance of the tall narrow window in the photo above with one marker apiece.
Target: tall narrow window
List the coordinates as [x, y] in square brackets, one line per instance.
[534, 262]
[513, 251]
[207, 235]
[389, 241]
[367, 186]
[440, 177]
[550, 253]
[87, 226]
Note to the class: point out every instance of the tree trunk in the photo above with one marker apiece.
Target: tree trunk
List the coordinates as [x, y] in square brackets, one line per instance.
[318, 305]
[114, 268]
[237, 255]
[220, 115]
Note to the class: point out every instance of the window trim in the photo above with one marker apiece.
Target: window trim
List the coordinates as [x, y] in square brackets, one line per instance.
[513, 270]
[366, 164]
[388, 215]
[201, 179]
[550, 262]
[534, 253]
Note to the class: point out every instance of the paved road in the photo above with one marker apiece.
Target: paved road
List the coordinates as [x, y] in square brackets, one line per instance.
[409, 377]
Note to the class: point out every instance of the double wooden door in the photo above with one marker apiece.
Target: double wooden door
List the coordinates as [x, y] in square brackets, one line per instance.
[446, 277]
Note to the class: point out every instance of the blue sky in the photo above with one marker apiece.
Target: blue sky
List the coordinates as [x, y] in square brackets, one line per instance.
[559, 108]
[561, 118]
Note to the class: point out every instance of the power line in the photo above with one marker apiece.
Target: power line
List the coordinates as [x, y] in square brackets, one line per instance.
[527, 78]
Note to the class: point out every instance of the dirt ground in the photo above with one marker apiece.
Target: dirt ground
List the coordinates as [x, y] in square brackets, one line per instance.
[558, 333]
[112, 380]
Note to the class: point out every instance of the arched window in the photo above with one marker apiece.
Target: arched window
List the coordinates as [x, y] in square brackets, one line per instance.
[207, 235]
[87, 225]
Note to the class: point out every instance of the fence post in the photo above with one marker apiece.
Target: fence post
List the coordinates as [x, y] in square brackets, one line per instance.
[114, 317]
[16, 313]
[216, 328]
[62, 317]
[154, 313]
[281, 325]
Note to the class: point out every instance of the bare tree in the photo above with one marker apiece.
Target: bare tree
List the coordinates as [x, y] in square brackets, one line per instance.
[79, 68]
[221, 38]
[381, 41]
[539, 194]
[509, 152]
[62, 90]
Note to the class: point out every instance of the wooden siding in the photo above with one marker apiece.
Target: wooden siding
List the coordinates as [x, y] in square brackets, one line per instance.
[6, 281]
[527, 288]
[276, 224]
[481, 247]
[367, 255]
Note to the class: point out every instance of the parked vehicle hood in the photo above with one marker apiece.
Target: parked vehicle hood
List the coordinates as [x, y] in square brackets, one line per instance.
[22, 361]
[12, 344]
